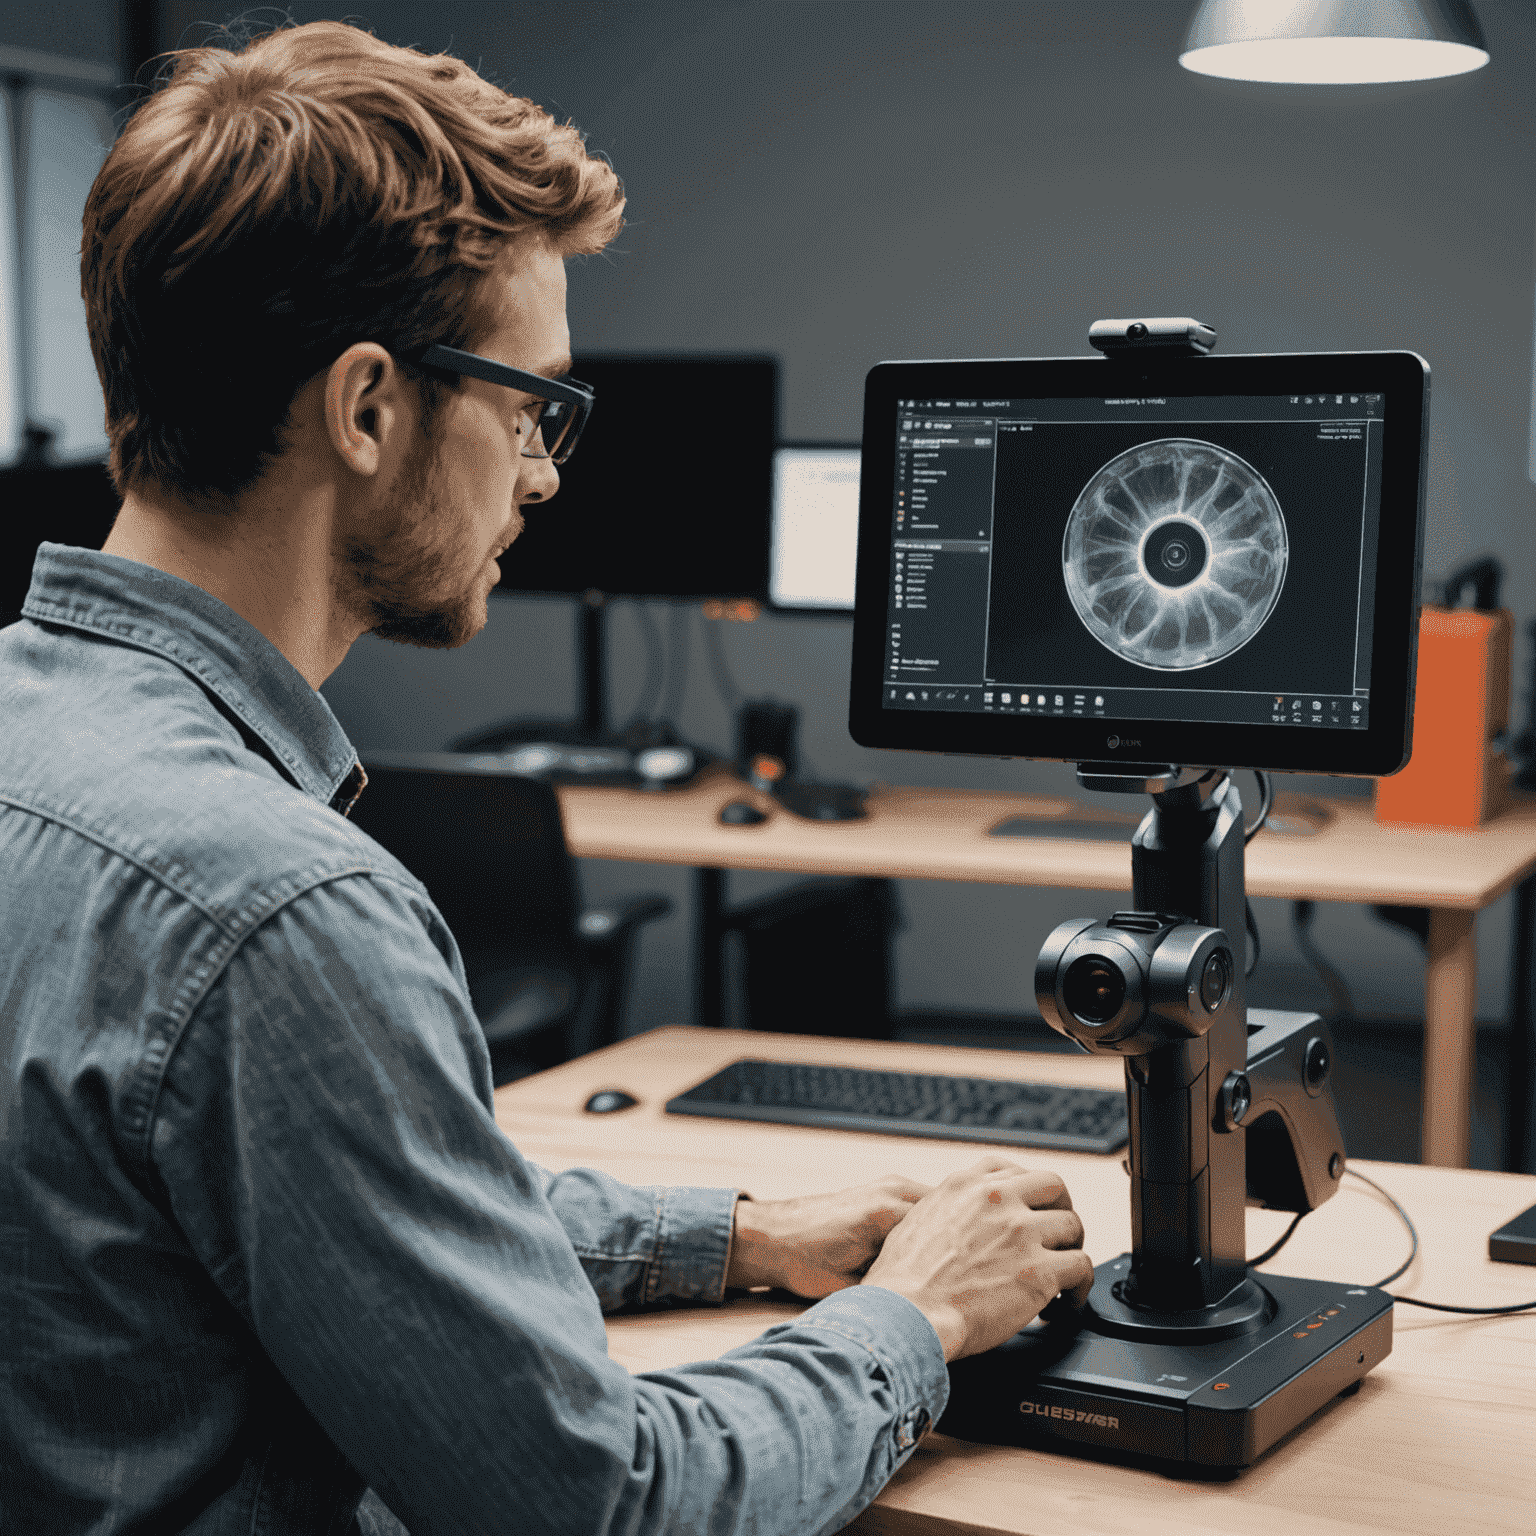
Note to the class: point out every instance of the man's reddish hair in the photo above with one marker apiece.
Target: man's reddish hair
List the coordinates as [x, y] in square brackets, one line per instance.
[268, 207]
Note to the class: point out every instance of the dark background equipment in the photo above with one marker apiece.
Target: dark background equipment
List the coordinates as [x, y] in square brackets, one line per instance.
[44, 502]
[767, 729]
[670, 490]
[815, 959]
[768, 758]
[668, 496]
[1515, 1241]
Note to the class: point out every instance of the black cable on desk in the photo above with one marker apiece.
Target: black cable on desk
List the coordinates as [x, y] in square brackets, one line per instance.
[1436, 1306]
[1412, 1301]
[1275, 1247]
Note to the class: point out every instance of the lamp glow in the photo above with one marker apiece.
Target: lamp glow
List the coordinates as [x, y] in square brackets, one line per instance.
[1334, 42]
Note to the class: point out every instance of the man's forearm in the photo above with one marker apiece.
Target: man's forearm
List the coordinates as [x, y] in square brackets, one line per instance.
[751, 1260]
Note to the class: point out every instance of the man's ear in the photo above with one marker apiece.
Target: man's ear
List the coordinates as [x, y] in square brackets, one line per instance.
[364, 406]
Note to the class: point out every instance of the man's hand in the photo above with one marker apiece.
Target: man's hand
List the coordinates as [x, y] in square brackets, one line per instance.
[817, 1244]
[985, 1253]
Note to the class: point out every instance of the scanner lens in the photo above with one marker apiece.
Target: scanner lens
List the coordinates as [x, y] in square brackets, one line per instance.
[1093, 989]
[1214, 980]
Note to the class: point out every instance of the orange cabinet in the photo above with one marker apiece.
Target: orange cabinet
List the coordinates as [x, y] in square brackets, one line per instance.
[1455, 777]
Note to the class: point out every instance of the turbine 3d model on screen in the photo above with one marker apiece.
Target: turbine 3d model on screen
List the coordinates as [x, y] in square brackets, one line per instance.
[1175, 553]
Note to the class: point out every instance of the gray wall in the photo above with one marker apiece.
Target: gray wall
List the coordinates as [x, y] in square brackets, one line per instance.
[74, 29]
[845, 182]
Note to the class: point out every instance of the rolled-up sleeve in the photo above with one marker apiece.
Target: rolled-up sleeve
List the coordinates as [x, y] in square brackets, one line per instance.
[641, 1244]
[325, 1138]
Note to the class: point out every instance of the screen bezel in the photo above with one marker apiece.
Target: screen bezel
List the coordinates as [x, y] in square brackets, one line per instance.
[807, 609]
[1402, 378]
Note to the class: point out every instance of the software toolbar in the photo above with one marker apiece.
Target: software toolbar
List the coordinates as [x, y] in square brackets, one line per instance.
[1125, 704]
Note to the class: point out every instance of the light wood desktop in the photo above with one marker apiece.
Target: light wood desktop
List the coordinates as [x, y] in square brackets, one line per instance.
[1437, 1440]
[937, 834]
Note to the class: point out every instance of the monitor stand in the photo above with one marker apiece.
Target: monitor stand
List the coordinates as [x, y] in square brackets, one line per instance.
[1183, 1354]
[592, 726]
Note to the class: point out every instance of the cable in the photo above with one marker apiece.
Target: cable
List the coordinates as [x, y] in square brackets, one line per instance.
[1412, 1230]
[1338, 993]
[1342, 1003]
[1412, 1301]
[1275, 1247]
[1266, 802]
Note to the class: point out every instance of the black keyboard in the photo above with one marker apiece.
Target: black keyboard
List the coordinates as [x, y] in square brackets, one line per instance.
[913, 1104]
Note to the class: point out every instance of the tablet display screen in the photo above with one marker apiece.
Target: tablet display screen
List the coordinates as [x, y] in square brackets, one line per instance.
[1186, 565]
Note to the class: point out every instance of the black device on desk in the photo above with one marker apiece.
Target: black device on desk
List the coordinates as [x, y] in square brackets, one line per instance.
[612, 762]
[1161, 566]
[768, 758]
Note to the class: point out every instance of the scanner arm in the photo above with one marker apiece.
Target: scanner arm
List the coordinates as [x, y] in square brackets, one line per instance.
[1295, 1148]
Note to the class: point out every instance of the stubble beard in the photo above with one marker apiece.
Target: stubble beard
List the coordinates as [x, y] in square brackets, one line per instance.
[399, 571]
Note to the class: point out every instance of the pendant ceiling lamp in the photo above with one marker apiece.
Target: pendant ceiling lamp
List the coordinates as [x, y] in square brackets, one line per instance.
[1334, 42]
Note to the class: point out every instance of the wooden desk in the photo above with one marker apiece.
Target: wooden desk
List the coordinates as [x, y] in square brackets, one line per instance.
[938, 834]
[1438, 1439]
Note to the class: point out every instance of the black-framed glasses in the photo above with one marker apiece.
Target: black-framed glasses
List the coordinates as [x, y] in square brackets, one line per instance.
[559, 413]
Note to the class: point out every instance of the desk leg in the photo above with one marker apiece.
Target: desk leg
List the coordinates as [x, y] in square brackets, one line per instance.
[1450, 1039]
[1518, 1086]
[709, 983]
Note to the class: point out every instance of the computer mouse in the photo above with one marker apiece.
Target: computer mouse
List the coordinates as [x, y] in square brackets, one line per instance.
[742, 813]
[606, 1100]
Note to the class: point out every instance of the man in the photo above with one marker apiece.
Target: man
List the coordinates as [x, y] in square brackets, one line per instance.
[262, 1246]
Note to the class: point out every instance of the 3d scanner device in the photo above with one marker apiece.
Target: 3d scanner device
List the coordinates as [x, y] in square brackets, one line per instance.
[1162, 566]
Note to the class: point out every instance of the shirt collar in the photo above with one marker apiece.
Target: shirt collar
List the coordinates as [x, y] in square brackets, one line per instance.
[142, 606]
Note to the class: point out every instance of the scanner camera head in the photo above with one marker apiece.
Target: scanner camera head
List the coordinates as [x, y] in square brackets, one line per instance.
[1140, 981]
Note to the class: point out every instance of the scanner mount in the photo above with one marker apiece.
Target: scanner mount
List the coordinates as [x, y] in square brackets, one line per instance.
[1182, 1353]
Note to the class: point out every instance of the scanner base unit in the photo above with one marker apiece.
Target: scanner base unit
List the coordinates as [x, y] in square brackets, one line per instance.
[1218, 1403]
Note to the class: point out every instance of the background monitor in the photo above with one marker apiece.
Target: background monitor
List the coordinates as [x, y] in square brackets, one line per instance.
[815, 526]
[668, 493]
[1209, 561]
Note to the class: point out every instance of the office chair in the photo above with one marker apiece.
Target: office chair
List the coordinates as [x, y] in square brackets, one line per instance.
[547, 978]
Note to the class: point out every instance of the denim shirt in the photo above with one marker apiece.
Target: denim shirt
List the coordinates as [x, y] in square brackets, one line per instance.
[262, 1245]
